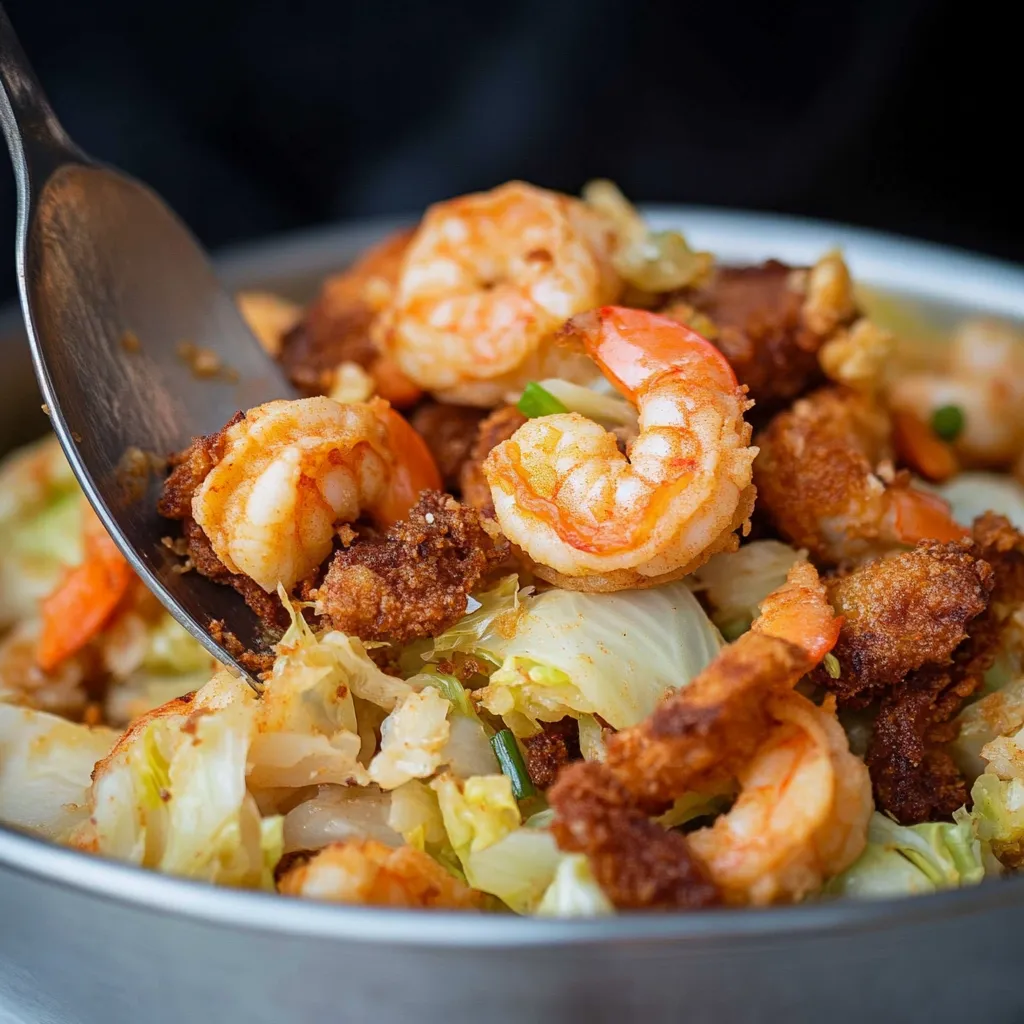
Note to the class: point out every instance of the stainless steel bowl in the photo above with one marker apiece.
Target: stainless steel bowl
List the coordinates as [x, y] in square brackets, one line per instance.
[84, 939]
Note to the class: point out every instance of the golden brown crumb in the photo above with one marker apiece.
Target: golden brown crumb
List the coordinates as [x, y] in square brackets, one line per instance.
[498, 427]
[903, 612]
[638, 864]
[555, 746]
[414, 581]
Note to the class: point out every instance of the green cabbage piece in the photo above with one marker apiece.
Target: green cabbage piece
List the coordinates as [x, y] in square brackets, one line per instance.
[574, 892]
[488, 624]
[46, 765]
[173, 795]
[909, 859]
[40, 526]
[611, 655]
[973, 493]
[997, 714]
[498, 854]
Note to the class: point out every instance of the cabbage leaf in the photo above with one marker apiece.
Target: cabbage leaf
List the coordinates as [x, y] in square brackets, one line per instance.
[910, 859]
[574, 891]
[498, 854]
[46, 765]
[611, 655]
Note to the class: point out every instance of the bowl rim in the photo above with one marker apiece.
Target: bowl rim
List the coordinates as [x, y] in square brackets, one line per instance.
[918, 269]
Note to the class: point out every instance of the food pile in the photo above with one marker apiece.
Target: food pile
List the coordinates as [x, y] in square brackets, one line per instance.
[600, 577]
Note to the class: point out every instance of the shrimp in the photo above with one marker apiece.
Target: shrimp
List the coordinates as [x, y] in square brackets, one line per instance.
[368, 872]
[291, 471]
[802, 813]
[984, 379]
[485, 284]
[595, 519]
[825, 478]
[699, 736]
[804, 801]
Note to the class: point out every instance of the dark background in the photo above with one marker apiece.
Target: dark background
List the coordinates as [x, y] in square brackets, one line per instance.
[256, 117]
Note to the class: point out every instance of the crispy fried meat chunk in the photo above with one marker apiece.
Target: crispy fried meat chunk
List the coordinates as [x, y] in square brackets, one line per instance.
[638, 864]
[700, 735]
[901, 613]
[498, 427]
[450, 432]
[913, 775]
[337, 326]
[555, 746]
[815, 473]
[413, 581]
[758, 319]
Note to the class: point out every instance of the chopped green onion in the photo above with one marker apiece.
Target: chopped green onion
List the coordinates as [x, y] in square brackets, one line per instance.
[832, 665]
[453, 691]
[948, 422]
[536, 401]
[506, 750]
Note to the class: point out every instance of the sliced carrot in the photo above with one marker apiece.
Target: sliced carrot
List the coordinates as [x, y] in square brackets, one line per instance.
[922, 449]
[84, 600]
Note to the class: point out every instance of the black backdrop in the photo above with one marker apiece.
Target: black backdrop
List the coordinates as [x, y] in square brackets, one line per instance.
[253, 117]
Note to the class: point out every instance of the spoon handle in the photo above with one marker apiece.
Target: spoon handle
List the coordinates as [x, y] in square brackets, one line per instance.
[38, 143]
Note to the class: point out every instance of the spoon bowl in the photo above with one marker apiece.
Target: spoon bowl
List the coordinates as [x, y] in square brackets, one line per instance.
[136, 345]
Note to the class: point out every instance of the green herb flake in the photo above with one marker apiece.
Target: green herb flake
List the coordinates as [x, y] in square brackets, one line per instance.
[832, 665]
[948, 422]
[506, 750]
[536, 401]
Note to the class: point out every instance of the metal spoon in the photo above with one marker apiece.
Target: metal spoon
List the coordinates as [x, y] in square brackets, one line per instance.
[112, 284]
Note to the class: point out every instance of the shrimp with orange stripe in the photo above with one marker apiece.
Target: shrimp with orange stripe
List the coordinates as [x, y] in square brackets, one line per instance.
[594, 518]
[292, 472]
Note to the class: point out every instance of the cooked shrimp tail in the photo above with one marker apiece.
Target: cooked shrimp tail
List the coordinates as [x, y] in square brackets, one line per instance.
[593, 518]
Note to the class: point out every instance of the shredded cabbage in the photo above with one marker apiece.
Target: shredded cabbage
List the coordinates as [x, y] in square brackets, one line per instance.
[498, 855]
[995, 715]
[412, 739]
[338, 813]
[653, 261]
[971, 494]
[908, 859]
[172, 796]
[612, 655]
[46, 765]
[574, 892]
[41, 526]
[491, 622]
[735, 583]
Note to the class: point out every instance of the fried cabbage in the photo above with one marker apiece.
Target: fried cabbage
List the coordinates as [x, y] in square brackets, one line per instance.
[904, 860]
[498, 854]
[574, 891]
[46, 765]
[610, 655]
